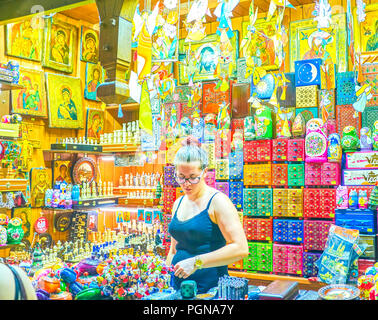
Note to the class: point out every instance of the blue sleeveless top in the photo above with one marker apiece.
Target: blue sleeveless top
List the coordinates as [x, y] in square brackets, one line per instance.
[197, 235]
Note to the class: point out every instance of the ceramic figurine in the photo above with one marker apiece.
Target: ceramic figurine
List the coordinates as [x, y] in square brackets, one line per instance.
[365, 139]
[263, 123]
[353, 199]
[3, 236]
[334, 152]
[210, 127]
[299, 126]
[223, 118]
[249, 128]
[315, 141]
[185, 127]
[375, 135]
[350, 141]
[15, 232]
[198, 125]
[362, 199]
[237, 141]
[342, 197]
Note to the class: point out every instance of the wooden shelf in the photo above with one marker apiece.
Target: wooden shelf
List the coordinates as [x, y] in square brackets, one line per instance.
[125, 107]
[120, 147]
[73, 151]
[10, 86]
[264, 278]
[13, 185]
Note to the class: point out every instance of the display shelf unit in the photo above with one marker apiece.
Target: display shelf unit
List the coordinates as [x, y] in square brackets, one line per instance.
[119, 148]
[264, 279]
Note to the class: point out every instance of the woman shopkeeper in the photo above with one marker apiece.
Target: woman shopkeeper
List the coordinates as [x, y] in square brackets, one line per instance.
[206, 232]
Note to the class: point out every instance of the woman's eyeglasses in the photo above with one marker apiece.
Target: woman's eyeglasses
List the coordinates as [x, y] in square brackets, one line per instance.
[195, 180]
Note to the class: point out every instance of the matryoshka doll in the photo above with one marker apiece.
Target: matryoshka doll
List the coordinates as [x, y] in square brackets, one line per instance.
[315, 141]
[3, 236]
[263, 123]
[15, 232]
[4, 220]
[249, 128]
[375, 136]
[334, 151]
[350, 141]
[299, 126]
[365, 139]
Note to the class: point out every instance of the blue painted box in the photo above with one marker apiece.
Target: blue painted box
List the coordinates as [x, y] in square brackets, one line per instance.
[363, 220]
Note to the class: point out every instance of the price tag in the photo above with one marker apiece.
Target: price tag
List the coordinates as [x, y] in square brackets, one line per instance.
[332, 215]
[299, 159]
[299, 239]
[283, 157]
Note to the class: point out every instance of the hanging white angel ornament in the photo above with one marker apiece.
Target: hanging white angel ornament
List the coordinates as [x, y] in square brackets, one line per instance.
[194, 20]
[223, 12]
[363, 94]
[323, 13]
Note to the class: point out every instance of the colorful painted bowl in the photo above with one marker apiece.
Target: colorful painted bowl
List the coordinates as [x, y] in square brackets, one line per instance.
[339, 292]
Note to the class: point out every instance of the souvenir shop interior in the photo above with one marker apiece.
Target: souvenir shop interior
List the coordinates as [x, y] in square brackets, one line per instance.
[97, 96]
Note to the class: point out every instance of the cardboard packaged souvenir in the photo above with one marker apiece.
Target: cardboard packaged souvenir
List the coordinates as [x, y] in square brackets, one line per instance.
[263, 123]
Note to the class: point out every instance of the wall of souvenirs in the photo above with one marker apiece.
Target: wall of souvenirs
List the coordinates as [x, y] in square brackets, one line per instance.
[285, 102]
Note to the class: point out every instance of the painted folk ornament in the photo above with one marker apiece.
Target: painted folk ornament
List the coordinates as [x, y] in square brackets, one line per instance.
[315, 141]
[342, 197]
[350, 141]
[249, 128]
[375, 136]
[299, 126]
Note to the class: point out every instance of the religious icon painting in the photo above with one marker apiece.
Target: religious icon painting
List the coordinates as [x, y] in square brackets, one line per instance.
[65, 101]
[366, 32]
[94, 76]
[31, 100]
[24, 214]
[260, 45]
[328, 44]
[24, 39]
[94, 124]
[62, 171]
[206, 53]
[40, 181]
[89, 45]
[59, 44]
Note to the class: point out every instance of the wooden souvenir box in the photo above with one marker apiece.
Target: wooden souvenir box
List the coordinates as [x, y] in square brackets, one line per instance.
[260, 257]
[307, 96]
[288, 259]
[315, 234]
[288, 230]
[345, 88]
[236, 193]
[310, 268]
[258, 229]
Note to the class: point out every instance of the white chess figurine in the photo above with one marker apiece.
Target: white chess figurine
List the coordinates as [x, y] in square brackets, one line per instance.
[100, 189]
[111, 188]
[127, 182]
[121, 181]
[101, 138]
[104, 189]
[94, 193]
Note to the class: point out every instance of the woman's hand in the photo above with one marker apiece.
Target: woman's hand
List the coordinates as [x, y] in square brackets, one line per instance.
[185, 268]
